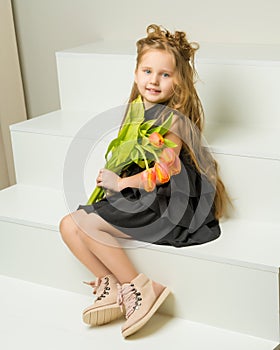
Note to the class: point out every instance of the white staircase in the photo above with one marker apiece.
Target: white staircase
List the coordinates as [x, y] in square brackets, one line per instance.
[225, 293]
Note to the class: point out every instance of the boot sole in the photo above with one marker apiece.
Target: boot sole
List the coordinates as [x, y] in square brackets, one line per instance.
[98, 317]
[135, 327]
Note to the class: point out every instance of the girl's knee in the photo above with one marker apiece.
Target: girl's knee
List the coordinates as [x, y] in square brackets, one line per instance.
[67, 227]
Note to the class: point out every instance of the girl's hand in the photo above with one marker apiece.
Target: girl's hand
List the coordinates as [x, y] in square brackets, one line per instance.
[108, 180]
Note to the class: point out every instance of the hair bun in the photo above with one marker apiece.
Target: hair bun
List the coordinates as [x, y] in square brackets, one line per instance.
[177, 40]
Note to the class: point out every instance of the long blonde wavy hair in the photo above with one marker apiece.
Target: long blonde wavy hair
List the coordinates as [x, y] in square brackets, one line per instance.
[186, 101]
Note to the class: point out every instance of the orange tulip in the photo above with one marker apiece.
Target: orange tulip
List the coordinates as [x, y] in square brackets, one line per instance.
[175, 168]
[162, 172]
[148, 178]
[168, 156]
[156, 139]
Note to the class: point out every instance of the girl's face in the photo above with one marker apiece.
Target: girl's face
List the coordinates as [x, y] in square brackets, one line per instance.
[155, 77]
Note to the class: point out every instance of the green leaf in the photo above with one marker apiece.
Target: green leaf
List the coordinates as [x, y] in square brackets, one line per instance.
[114, 143]
[133, 120]
[145, 141]
[164, 128]
[121, 154]
[134, 155]
[170, 143]
[147, 125]
[141, 163]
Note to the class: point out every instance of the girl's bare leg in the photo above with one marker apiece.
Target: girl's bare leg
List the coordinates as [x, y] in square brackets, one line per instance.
[91, 240]
[70, 235]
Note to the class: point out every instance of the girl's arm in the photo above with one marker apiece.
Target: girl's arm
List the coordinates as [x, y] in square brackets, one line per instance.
[111, 181]
[176, 139]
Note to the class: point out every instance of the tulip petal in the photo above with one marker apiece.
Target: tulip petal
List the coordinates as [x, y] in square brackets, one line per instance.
[162, 172]
[168, 156]
[175, 168]
[148, 178]
[156, 139]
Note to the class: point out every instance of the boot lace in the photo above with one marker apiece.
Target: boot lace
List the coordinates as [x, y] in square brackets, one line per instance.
[129, 297]
[100, 287]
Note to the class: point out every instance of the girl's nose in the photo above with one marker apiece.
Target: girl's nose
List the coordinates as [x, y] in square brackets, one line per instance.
[154, 79]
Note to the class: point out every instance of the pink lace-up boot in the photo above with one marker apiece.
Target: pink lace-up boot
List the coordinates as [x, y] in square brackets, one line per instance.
[141, 298]
[105, 307]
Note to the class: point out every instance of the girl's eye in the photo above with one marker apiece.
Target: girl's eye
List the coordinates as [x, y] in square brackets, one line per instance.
[165, 75]
[147, 71]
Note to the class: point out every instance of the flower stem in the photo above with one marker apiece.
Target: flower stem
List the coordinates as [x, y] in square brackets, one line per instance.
[96, 195]
[154, 153]
[143, 155]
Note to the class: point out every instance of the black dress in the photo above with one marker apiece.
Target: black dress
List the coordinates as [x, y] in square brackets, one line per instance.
[178, 213]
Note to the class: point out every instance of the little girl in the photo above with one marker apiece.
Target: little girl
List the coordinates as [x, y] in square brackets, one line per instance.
[182, 211]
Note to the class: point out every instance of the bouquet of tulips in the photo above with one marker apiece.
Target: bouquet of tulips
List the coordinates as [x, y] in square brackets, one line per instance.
[142, 143]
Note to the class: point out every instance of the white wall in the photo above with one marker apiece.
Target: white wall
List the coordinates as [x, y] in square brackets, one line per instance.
[12, 105]
[44, 27]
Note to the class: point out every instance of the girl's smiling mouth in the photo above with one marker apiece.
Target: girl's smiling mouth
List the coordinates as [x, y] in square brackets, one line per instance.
[153, 91]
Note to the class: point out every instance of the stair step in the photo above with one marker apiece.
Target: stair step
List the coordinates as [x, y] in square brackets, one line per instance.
[47, 318]
[213, 282]
[233, 80]
[41, 149]
[222, 138]
[32, 206]
[242, 242]
[100, 89]
[41, 145]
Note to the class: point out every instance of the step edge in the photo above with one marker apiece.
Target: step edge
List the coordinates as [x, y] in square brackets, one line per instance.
[218, 53]
[199, 60]
[166, 250]
[28, 223]
[50, 289]
[23, 128]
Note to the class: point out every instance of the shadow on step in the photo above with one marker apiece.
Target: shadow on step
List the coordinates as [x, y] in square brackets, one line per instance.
[154, 325]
